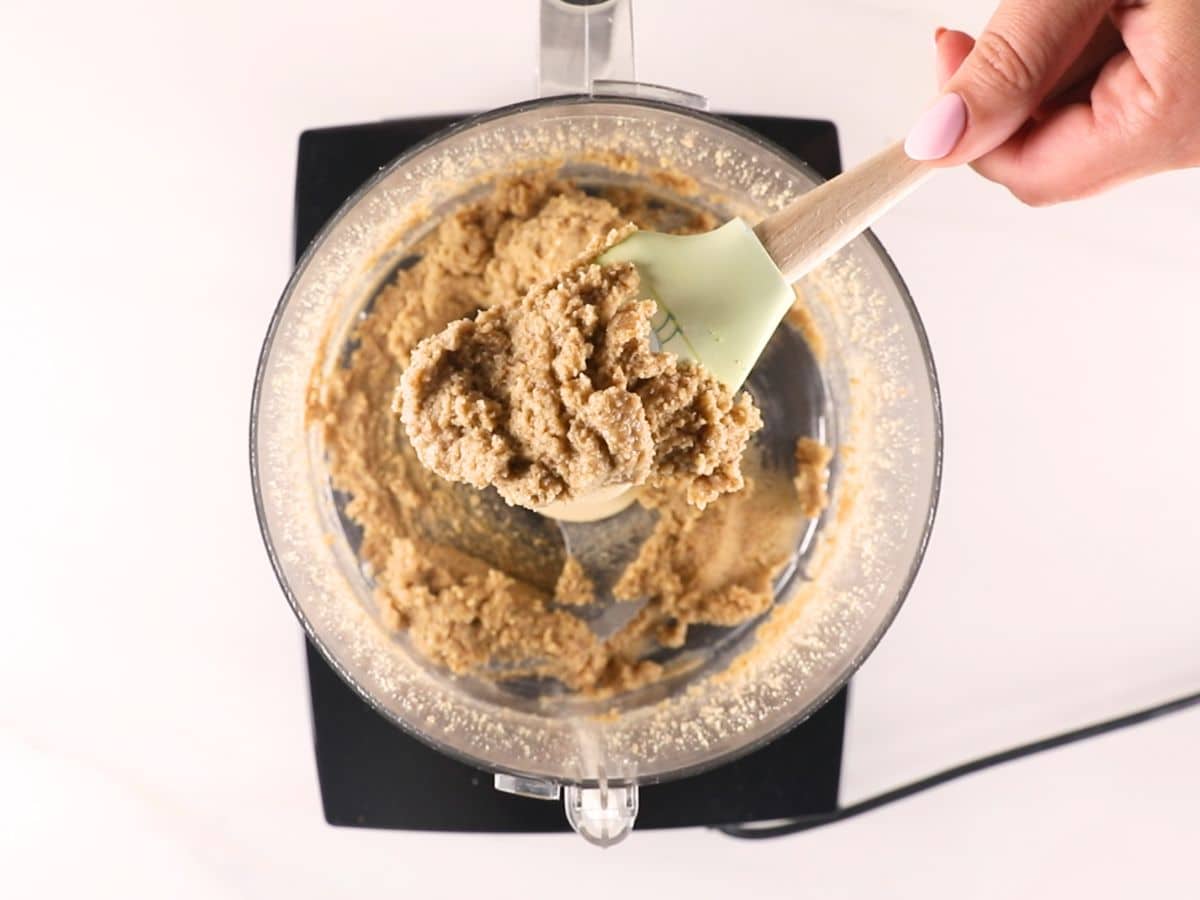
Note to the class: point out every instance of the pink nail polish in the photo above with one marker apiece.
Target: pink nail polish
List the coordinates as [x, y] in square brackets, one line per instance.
[938, 129]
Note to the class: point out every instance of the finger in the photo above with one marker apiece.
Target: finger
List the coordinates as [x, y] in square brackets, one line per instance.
[1073, 85]
[1076, 84]
[1025, 48]
[1104, 44]
[952, 49]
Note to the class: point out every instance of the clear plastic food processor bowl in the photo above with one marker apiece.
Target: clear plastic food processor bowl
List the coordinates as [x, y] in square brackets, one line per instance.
[876, 403]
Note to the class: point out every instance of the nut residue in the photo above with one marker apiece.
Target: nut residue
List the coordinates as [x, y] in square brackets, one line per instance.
[812, 475]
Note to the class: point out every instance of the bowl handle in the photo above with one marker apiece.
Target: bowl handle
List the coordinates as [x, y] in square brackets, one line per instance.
[582, 43]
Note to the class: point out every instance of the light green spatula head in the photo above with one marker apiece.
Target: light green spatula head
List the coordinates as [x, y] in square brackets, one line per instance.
[720, 296]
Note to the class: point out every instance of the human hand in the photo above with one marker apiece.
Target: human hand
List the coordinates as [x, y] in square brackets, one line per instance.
[1060, 99]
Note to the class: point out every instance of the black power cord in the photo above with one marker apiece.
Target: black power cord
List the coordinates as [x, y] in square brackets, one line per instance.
[804, 823]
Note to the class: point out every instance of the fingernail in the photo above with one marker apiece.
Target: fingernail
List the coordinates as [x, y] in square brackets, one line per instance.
[937, 34]
[938, 129]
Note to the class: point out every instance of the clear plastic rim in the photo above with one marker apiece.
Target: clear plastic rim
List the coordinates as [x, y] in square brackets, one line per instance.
[869, 645]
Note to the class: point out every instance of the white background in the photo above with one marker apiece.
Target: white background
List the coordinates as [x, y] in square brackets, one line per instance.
[154, 734]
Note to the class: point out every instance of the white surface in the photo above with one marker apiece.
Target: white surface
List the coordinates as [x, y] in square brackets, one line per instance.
[154, 736]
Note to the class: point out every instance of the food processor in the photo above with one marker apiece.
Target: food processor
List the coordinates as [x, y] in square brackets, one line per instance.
[870, 394]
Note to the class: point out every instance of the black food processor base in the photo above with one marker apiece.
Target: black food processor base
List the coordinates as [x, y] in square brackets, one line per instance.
[372, 774]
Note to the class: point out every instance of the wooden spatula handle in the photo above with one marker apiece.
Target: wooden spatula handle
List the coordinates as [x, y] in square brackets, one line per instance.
[821, 222]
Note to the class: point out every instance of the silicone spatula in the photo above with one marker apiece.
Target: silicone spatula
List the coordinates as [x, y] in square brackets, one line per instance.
[722, 294]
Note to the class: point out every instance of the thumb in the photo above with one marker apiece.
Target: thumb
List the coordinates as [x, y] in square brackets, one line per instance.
[1024, 50]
